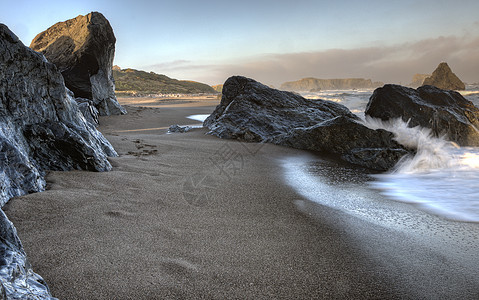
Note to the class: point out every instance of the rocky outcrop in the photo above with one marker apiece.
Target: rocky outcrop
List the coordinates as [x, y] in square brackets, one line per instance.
[314, 84]
[83, 49]
[252, 112]
[41, 128]
[418, 80]
[444, 78]
[446, 112]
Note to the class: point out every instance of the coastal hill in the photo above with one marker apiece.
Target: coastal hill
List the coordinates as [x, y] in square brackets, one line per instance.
[131, 81]
[313, 84]
[218, 88]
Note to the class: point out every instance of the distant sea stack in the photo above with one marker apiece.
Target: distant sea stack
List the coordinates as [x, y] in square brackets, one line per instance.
[418, 80]
[444, 78]
[314, 84]
[83, 49]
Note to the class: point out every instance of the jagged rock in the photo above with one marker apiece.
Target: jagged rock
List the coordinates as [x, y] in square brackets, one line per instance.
[17, 280]
[446, 112]
[444, 78]
[315, 84]
[418, 80]
[83, 49]
[88, 110]
[41, 127]
[252, 112]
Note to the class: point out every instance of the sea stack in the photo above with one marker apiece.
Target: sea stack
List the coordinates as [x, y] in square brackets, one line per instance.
[444, 78]
[252, 112]
[83, 49]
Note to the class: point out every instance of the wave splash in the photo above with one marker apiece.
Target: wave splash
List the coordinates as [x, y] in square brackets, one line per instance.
[442, 178]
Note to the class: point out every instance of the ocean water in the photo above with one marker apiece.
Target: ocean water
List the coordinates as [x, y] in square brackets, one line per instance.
[442, 179]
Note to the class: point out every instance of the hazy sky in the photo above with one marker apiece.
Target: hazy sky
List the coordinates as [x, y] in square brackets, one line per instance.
[275, 41]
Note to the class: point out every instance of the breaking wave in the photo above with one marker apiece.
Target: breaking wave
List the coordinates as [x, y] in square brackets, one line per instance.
[441, 178]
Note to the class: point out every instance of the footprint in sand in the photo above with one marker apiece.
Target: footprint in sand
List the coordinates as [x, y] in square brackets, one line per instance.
[146, 149]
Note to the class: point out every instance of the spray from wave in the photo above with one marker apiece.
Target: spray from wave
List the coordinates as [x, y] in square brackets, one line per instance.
[441, 178]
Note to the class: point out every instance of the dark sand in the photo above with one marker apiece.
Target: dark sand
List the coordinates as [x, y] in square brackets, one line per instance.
[191, 216]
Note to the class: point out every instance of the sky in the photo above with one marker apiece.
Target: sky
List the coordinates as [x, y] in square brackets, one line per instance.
[275, 41]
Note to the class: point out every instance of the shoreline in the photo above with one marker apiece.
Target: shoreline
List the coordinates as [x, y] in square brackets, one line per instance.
[187, 215]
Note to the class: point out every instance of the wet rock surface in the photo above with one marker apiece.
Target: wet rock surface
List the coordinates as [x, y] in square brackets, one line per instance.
[83, 49]
[41, 128]
[445, 112]
[252, 112]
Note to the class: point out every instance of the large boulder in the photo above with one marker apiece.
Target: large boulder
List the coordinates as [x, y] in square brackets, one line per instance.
[446, 112]
[83, 49]
[41, 126]
[444, 78]
[252, 112]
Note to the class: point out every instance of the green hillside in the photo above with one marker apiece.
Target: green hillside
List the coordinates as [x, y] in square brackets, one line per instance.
[135, 81]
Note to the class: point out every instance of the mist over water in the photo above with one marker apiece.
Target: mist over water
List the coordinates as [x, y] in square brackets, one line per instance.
[442, 178]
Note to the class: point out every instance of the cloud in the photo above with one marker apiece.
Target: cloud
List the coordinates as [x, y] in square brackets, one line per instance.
[390, 64]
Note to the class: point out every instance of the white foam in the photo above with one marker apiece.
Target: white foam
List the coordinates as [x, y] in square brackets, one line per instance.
[200, 118]
[442, 178]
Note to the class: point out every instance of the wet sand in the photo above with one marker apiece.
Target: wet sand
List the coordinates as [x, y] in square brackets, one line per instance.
[191, 216]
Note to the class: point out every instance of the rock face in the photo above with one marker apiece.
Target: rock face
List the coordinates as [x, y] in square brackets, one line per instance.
[83, 49]
[41, 126]
[446, 112]
[314, 84]
[252, 112]
[444, 78]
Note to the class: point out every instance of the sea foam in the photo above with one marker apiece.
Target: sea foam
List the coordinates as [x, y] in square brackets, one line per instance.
[441, 178]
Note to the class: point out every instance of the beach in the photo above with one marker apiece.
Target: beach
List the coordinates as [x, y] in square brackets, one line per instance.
[192, 216]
